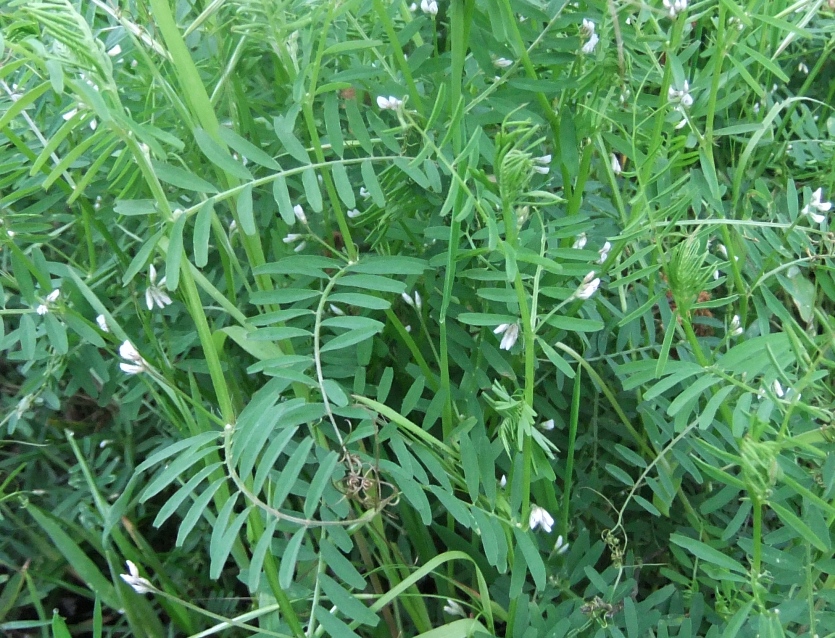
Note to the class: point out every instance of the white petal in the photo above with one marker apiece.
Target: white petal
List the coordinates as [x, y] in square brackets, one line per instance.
[501, 328]
[149, 298]
[42, 309]
[102, 322]
[129, 352]
[53, 295]
[547, 425]
[383, 102]
[130, 368]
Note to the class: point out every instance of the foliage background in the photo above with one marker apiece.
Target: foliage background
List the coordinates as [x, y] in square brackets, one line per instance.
[314, 440]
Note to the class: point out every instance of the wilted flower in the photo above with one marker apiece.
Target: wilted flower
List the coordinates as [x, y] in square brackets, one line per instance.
[510, 332]
[817, 205]
[102, 322]
[140, 585]
[454, 608]
[588, 287]
[390, 103]
[299, 213]
[502, 63]
[130, 353]
[547, 426]
[561, 547]
[604, 252]
[154, 294]
[43, 308]
[540, 518]
[616, 167]
[674, 7]
[429, 6]
[580, 241]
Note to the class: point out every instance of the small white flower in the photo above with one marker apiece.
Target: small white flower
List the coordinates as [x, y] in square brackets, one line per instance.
[545, 160]
[503, 481]
[580, 241]
[134, 64]
[817, 205]
[292, 238]
[429, 6]
[51, 298]
[803, 68]
[510, 332]
[102, 322]
[69, 114]
[233, 227]
[418, 300]
[542, 170]
[353, 213]
[140, 585]
[604, 252]
[616, 167]
[154, 294]
[116, 50]
[588, 287]
[720, 248]
[300, 247]
[454, 608]
[756, 108]
[408, 328]
[682, 97]
[93, 124]
[736, 326]
[11, 233]
[540, 518]
[561, 547]
[502, 63]
[407, 298]
[336, 310]
[389, 103]
[778, 389]
[588, 47]
[42, 309]
[674, 7]
[364, 192]
[413, 7]
[588, 27]
[299, 213]
[136, 363]
[547, 426]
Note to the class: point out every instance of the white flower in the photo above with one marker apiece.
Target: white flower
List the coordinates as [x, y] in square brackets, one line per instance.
[353, 213]
[736, 326]
[561, 547]
[154, 294]
[292, 238]
[336, 310]
[604, 252]
[299, 213]
[140, 585]
[818, 205]
[233, 227]
[510, 332]
[541, 164]
[413, 7]
[502, 63]
[503, 481]
[69, 114]
[588, 47]
[803, 68]
[102, 323]
[682, 96]
[547, 426]
[364, 192]
[616, 167]
[588, 27]
[390, 103]
[300, 247]
[674, 7]
[588, 287]
[720, 248]
[418, 300]
[778, 389]
[130, 353]
[51, 298]
[429, 6]
[454, 608]
[580, 242]
[540, 518]
[407, 298]
[93, 124]
[117, 50]
[11, 233]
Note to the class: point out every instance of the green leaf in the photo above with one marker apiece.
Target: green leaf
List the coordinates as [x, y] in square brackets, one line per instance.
[372, 185]
[343, 185]
[575, 324]
[469, 461]
[218, 156]
[372, 282]
[485, 319]
[320, 482]
[219, 553]
[141, 258]
[59, 627]
[357, 126]
[135, 207]
[284, 131]
[174, 255]
[181, 178]
[348, 606]
[360, 300]
[244, 207]
[389, 265]
[311, 189]
[532, 557]
[707, 553]
[341, 566]
[57, 334]
[202, 228]
[168, 451]
[80, 561]
[290, 472]
[332, 624]
[333, 125]
[349, 339]
[247, 149]
[256, 564]
[282, 197]
[173, 503]
[172, 471]
[289, 558]
[196, 511]
[794, 522]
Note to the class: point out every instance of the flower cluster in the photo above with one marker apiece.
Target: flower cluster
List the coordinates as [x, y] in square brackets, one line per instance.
[588, 31]
[674, 7]
[429, 6]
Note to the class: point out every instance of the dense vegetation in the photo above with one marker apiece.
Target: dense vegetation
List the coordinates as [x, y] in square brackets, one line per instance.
[466, 318]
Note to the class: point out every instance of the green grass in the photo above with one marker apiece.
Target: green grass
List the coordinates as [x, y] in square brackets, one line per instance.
[518, 311]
